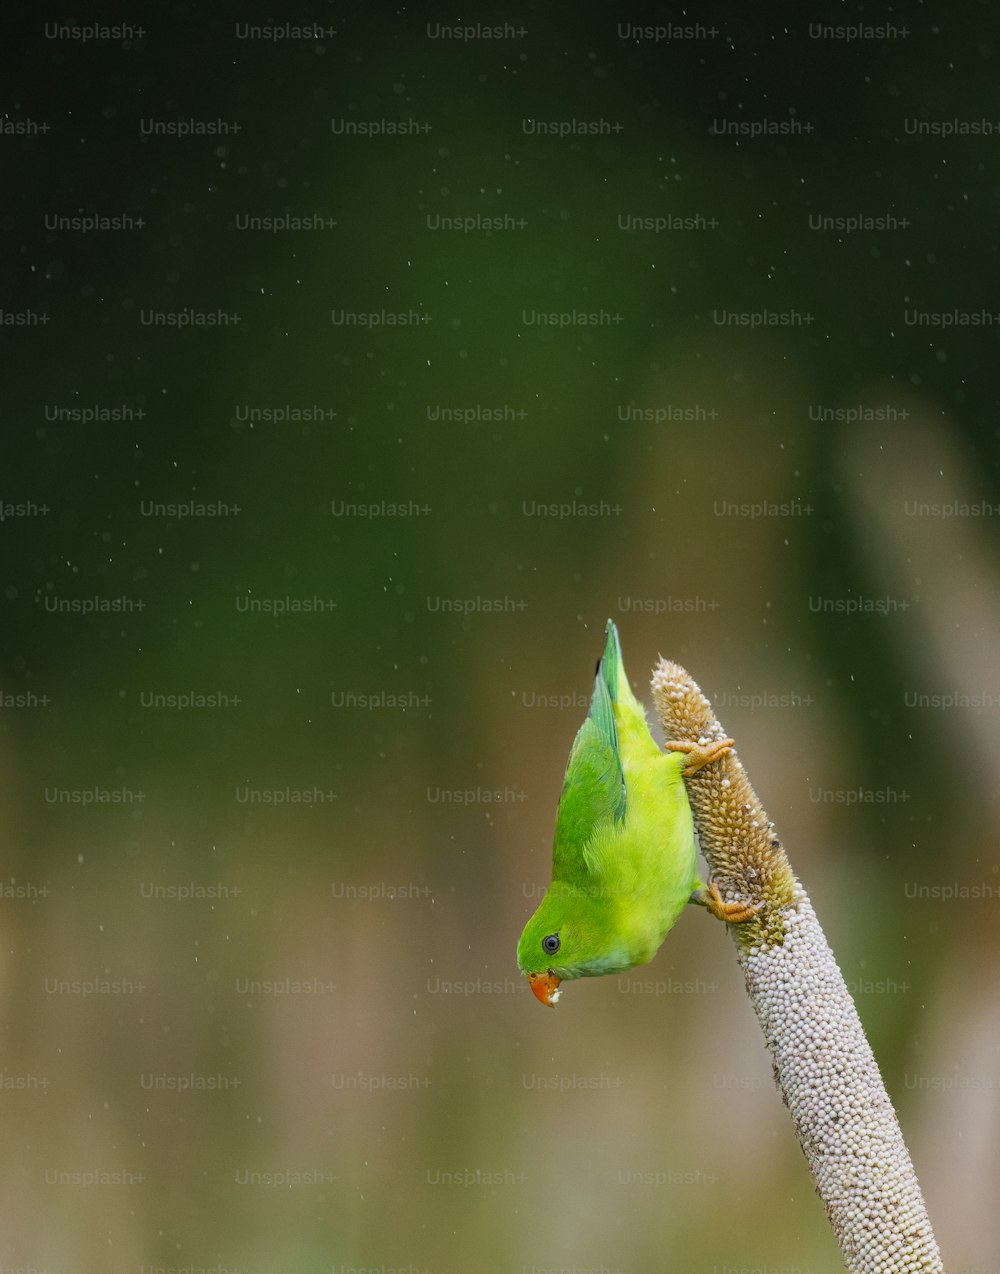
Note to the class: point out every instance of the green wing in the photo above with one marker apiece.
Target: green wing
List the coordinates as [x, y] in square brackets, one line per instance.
[594, 788]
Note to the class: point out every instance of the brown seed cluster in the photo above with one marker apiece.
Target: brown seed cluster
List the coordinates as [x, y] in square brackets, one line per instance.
[747, 860]
[823, 1063]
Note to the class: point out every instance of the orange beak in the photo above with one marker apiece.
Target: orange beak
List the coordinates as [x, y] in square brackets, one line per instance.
[546, 987]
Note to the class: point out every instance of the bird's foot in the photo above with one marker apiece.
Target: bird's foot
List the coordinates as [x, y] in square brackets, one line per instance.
[733, 913]
[700, 754]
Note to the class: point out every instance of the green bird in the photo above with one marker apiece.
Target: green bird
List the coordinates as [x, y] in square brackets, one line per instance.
[624, 858]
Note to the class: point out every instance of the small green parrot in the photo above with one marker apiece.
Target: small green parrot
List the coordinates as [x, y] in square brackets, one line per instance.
[624, 859]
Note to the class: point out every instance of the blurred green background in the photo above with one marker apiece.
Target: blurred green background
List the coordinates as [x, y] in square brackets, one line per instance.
[278, 785]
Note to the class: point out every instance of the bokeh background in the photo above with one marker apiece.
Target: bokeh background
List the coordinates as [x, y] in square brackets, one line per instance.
[279, 766]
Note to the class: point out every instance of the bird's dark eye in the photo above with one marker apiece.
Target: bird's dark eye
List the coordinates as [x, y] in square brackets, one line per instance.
[550, 943]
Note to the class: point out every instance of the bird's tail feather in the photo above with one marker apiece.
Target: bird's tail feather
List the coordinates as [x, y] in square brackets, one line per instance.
[611, 669]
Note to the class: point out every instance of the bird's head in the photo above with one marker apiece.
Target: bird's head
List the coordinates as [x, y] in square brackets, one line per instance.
[571, 935]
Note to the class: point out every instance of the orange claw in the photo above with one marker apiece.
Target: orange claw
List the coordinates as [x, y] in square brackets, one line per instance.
[700, 754]
[545, 987]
